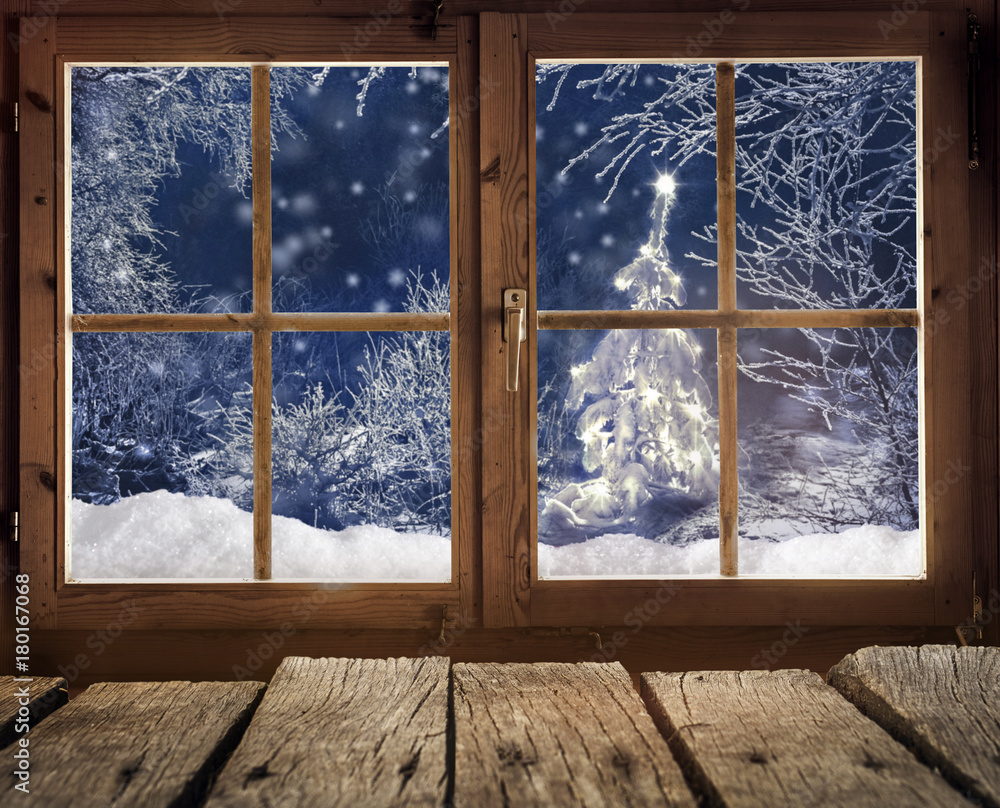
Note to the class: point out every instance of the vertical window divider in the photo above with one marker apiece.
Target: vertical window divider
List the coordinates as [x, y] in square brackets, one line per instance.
[725, 117]
[261, 146]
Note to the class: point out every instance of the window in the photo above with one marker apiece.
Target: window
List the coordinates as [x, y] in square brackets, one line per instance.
[637, 425]
[177, 330]
[349, 437]
[538, 567]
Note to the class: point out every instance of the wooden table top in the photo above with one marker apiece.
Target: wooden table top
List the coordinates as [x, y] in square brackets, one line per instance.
[894, 727]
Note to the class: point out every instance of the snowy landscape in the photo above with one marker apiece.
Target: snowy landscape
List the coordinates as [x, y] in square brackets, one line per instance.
[145, 537]
[628, 437]
[826, 219]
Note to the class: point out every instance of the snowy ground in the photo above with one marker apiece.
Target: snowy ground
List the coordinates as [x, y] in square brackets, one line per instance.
[164, 535]
[858, 552]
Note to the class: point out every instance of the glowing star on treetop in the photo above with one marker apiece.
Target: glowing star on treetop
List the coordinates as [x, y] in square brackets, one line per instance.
[665, 185]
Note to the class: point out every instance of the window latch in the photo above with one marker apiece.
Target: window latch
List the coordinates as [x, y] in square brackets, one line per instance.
[515, 332]
[13, 523]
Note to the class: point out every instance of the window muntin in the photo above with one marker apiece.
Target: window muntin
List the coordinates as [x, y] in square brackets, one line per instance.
[383, 475]
[824, 218]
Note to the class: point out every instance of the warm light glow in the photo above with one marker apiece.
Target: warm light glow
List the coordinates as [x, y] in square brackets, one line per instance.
[665, 184]
[650, 396]
[622, 284]
[576, 371]
[645, 249]
[694, 456]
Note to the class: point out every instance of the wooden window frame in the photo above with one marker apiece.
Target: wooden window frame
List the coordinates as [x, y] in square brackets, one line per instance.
[513, 593]
[492, 100]
[46, 322]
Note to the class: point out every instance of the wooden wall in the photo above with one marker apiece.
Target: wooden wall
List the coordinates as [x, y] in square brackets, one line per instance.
[90, 656]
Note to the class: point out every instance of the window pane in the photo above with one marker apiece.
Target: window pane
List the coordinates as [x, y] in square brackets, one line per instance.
[162, 456]
[826, 185]
[359, 185]
[361, 469]
[627, 453]
[829, 452]
[620, 149]
[160, 213]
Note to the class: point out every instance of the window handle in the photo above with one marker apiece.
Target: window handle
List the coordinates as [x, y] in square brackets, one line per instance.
[515, 332]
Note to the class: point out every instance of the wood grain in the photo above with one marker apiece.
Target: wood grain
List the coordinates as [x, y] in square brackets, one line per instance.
[557, 735]
[160, 654]
[757, 739]
[367, 321]
[744, 318]
[258, 605]
[137, 743]
[735, 601]
[44, 695]
[728, 453]
[747, 34]
[942, 701]
[39, 343]
[261, 116]
[344, 732]
[505, 223]
[9, 326]
[946, 405]
[466, 338]
[983, 320]
[221, 39]
[418, 12]
[725, 150]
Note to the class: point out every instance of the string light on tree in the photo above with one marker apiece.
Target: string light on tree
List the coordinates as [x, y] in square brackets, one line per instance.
[646, 427]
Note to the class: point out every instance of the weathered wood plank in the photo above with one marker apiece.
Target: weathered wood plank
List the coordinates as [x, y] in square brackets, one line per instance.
[136, 743]
[940, 700]
[43, 696]
[344, 732]
[755, 738]
[554, 734]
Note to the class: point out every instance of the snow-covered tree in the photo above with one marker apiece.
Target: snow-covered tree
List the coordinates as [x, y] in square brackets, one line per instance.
[826, 171]
[142, 403]
[128, 124]
[404, 399]
[646, 427]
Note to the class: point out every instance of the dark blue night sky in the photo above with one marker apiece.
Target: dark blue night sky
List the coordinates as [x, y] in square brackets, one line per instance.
[335, 182]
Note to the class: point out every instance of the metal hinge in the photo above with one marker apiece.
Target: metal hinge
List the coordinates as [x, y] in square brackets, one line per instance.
[16, 116]
[14, 524]
[973, 627]
[973, 31]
